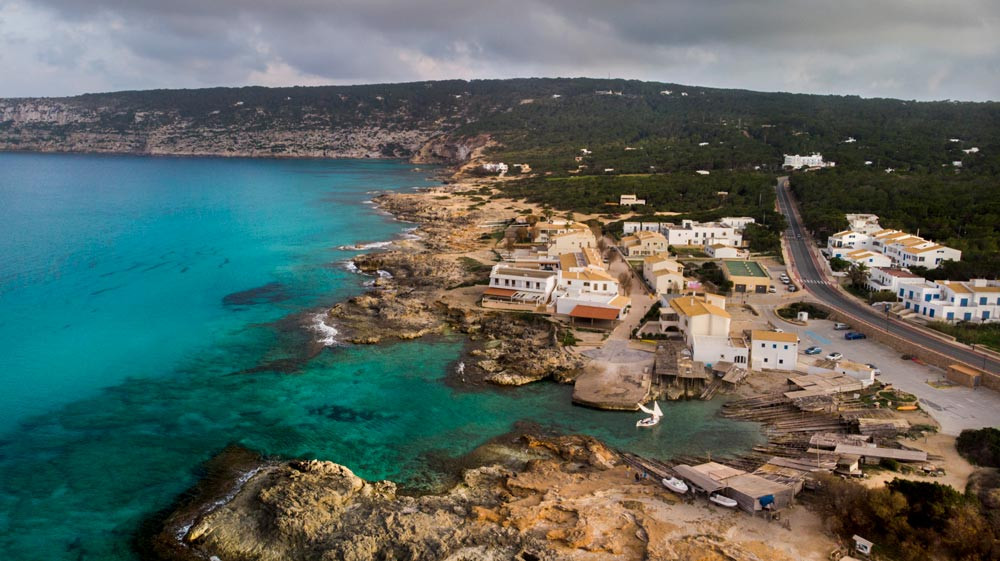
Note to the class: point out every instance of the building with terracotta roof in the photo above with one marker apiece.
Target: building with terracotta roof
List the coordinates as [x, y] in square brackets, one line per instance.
[705, 324]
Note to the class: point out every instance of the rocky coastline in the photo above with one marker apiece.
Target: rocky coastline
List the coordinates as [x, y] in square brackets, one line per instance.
[423, 287]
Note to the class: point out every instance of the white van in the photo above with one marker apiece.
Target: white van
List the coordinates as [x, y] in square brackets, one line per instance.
[841, 326]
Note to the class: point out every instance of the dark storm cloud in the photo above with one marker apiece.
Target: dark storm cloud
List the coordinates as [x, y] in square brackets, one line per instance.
[898, 48]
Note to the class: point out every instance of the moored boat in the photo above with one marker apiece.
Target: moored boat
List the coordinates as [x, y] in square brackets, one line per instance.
[722, 500]
[655, 415]
[675, 485]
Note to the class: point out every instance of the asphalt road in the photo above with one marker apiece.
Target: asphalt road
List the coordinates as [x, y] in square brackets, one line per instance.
[810, 276]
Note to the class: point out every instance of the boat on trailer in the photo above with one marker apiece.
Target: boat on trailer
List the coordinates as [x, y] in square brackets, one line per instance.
[675, 485]
[722, 500]
[655, 414]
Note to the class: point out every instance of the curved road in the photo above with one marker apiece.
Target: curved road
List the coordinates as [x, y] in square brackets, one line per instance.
[811, 277]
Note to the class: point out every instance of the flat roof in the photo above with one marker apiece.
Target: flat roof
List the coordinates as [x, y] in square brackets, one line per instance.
[965, 369]
[894, 453]
[898, 273]
[745, 269]
[699, 479]
[594, 312]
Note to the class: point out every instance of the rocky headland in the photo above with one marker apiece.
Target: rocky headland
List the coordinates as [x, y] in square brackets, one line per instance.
[534, 498]
[430, 285]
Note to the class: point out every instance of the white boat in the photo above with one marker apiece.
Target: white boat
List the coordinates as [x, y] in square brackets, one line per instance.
[722, 500]
[675, 485]
[655, 415]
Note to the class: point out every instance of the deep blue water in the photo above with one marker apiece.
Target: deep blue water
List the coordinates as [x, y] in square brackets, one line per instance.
[154, 310]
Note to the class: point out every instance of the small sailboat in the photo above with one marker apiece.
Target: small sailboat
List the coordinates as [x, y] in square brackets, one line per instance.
[675, 485]
[654, 415]
[722, 500]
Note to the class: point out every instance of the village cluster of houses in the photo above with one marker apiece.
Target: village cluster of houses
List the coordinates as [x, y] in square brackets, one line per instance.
[719, 240]
[559, 272]
[868, 243]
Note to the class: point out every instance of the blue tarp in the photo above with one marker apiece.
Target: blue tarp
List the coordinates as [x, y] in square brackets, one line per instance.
[766, 500]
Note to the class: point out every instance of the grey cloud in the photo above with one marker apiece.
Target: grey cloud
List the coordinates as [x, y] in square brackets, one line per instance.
[900, 48]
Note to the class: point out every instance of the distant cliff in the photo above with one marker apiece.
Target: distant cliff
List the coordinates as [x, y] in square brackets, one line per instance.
[395, 121]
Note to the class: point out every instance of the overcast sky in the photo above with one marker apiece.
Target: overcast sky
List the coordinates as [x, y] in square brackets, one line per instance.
[911, 49]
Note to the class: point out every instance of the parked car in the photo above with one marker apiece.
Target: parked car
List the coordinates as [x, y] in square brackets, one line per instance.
[813, 351]
[792, 288]
[841, 326]
[771, 290]
[785, 280]
[852, 335]
[834, 356]
[874, 368]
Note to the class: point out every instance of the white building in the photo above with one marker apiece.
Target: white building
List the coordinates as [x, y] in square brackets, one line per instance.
[867, 258]
[738, 222]
[977, 300]
[520, 285]
[705, 323]
[663, 274]
[628, 200]
[902, 249]
[583, 282]
[813, 161]
[496, 167]
[643, 243]
[773, 351]
[864, 223]
[723, 251]
[887, 278]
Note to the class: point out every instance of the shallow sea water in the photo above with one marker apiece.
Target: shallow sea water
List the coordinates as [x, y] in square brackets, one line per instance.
[155, 310]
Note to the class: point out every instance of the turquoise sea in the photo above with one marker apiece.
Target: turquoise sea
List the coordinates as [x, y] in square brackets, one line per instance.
[154, 310]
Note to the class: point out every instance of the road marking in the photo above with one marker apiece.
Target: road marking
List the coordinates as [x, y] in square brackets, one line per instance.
[818, 338]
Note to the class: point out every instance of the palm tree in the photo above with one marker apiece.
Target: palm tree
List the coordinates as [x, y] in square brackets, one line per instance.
[858, 273]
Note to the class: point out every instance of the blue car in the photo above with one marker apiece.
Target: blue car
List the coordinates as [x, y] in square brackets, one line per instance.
[852, 335]
[813, 351]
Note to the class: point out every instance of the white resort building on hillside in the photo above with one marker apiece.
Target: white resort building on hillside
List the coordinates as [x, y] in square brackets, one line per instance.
[813, 161]
[727, 231]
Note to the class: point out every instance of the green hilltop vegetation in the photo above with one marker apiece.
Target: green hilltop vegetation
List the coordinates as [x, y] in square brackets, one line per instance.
[654, 142]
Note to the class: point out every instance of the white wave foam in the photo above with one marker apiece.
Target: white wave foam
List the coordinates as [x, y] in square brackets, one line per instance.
[384, 274]
[351, 267]
[327, 333]
[240, 482]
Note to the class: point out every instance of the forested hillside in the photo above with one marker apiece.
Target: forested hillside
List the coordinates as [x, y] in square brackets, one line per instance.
[586, 141]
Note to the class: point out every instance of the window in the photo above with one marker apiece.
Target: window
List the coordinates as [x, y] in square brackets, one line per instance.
[982, 301]
[774, 346]
[781, 361]
[765, 360]
[786, 347]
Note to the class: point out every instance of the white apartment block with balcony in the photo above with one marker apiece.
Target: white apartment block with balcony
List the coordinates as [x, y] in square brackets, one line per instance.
[891, 279]
[904, 250]
[728, 231]
[520, 285]
[977, 300]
